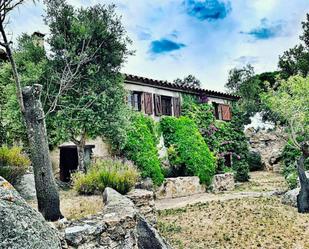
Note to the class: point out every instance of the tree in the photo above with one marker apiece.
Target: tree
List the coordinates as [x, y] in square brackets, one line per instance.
[290, 102]
[89, 46]
[188, 81]
[245, 83]
[33, 115]
[295, 61]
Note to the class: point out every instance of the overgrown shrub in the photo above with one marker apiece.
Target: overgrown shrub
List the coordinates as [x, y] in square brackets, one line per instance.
[13, 163]
[254, 161]
[223, 138]
[188, 153]
[141, 147]
[106, 173]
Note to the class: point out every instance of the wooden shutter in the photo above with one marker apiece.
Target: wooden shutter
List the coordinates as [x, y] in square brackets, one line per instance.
[158, 105]
[148, 103]
[176, 106]
[226, 112]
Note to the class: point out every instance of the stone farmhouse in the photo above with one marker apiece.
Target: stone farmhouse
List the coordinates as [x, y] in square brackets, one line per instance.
[152, 97]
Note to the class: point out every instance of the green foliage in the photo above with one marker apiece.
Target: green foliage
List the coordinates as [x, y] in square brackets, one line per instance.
[223, 138]
[94, 43]
[189, 155]
[141, 147]
[245, 83]
[254, 161]
[108, 173]
[292, 179]
[190, 81]
[290, 103]
[13, 163]
[290, 155]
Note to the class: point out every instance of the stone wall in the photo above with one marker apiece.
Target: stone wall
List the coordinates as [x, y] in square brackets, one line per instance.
[269, 144]
[119, 226]
[144, 201]
[180, 187]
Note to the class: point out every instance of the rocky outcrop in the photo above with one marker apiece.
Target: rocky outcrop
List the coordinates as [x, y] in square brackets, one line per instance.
[290, 197]
[26, 186]
[144, 201]
[269, 144]
[223, 182]
[20, 225]
[119, 226]
[180, 187]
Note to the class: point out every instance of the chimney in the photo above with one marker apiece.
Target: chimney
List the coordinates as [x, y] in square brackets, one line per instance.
[38, 38]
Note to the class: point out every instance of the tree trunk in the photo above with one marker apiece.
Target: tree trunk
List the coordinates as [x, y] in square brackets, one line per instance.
[46, 189]
[303, 196]
[81, 154]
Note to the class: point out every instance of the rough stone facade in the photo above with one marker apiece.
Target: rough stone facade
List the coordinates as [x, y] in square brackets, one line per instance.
[269, 144]
[180, 187]
[26, 186]
[22, 227]
[144, 201]
[119, 226]
[223, 182]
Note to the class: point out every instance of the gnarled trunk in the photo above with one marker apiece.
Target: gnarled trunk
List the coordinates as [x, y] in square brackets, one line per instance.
[81, 153]
[46, 189]
[303, 196]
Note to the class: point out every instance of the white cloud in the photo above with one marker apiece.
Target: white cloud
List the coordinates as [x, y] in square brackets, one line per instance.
[212, 47]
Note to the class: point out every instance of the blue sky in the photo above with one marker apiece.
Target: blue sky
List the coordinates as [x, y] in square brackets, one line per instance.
[206, 38]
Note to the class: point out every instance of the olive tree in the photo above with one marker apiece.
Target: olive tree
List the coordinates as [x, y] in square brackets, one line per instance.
[291, 102]
[88, 47]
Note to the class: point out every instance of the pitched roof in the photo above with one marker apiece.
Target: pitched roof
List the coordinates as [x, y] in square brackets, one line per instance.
[129, 78]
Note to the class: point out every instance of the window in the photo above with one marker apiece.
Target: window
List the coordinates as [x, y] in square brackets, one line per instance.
[222, 111]
[134, 100]
[166, 103]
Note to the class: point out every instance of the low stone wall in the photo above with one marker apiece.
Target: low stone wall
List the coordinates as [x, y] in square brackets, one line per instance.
[144, 201]
[223, 182]
[180, 187]
[119, 226]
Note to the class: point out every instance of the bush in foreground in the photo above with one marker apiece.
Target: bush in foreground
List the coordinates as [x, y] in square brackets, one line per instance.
[13, 164]
[106, 173]
[188, 153]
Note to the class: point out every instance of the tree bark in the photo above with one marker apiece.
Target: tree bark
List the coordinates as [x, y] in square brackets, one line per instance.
[81, 153]
[46, 189]
[303, 196]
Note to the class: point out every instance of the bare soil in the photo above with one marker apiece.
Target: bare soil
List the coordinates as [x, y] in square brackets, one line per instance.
[248, 217]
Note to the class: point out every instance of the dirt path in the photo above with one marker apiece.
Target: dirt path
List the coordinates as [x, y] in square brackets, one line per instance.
[261, 184]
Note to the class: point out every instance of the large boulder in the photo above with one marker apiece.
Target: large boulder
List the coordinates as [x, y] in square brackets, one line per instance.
[26, 186]
[20, 225]
[290, 197]
[269, 144]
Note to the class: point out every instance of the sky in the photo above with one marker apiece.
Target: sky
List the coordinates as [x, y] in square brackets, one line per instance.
[206, 38]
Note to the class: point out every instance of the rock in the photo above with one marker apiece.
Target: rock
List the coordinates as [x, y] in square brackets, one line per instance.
[223, 182]
[180, 187]
[20, 225]
[290, 197]
[148, 237]
[145, 184]
[269, 144]
[144, 201]
[26, 187]
[119, 226]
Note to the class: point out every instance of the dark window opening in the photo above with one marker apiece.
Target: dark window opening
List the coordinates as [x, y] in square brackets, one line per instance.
[135, 100]
[69, 160]
[217, 111]
[166, 105]
[228, 160]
